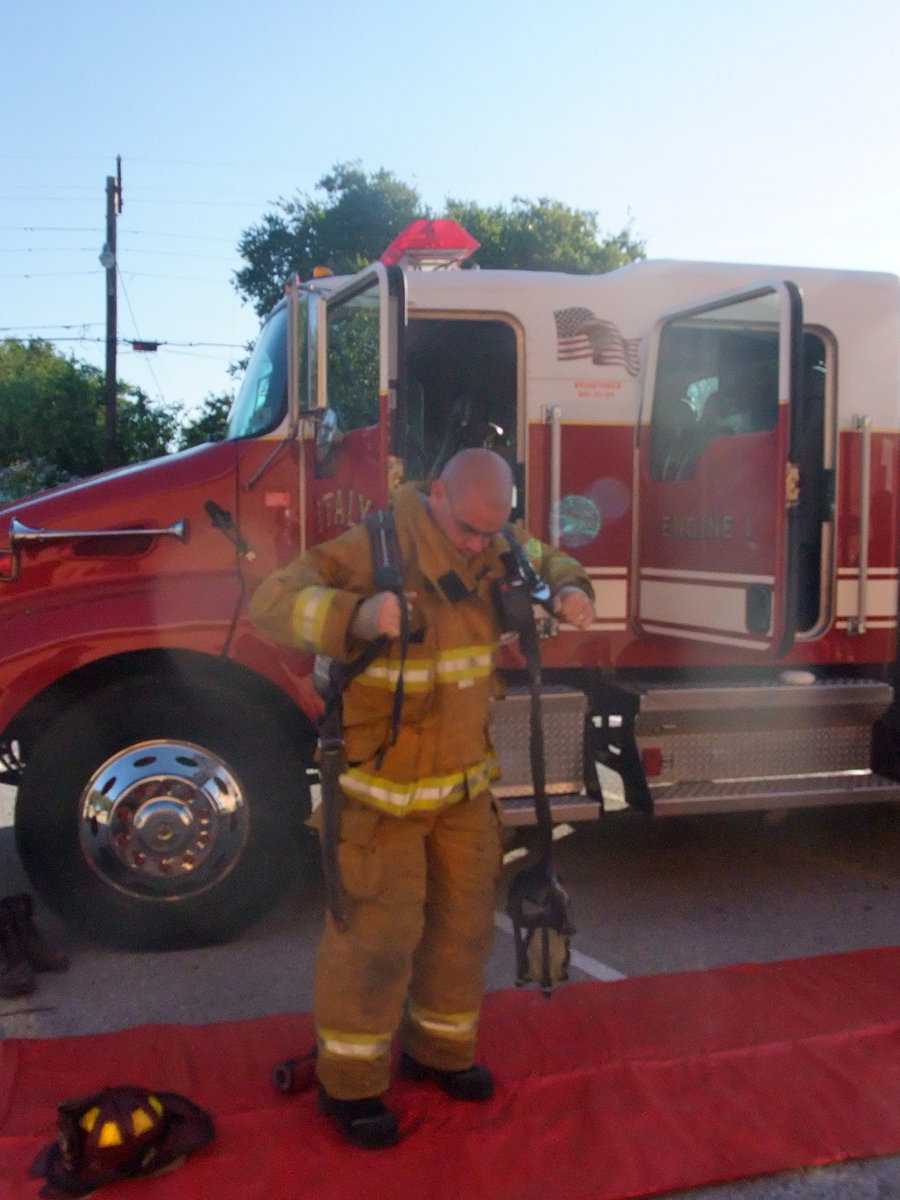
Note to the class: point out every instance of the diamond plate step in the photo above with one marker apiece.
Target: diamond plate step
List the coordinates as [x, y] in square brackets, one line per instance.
[786, 792]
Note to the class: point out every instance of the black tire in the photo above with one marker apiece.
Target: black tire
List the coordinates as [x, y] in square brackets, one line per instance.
[158, 814]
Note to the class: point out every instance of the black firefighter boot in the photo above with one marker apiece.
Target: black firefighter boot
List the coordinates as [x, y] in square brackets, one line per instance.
[41, 955]
[16, 975]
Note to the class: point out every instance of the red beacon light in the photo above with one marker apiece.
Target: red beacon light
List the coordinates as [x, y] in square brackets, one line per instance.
[430, 245]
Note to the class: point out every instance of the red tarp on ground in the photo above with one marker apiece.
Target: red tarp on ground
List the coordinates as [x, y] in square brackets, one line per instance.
[604, 1090]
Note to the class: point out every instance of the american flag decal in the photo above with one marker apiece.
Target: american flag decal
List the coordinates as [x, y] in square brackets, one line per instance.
[579, 334]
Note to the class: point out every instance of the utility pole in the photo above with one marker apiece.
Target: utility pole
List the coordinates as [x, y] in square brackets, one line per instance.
[108, 260]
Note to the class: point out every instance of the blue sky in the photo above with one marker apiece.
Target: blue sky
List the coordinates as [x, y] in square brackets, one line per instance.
[760, 133]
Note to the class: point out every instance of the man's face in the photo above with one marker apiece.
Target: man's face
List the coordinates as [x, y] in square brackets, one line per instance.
[466, 521]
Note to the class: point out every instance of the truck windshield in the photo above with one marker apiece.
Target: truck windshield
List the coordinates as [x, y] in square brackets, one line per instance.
[262, 400]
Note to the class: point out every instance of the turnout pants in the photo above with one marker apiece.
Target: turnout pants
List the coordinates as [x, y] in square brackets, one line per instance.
[420, 894]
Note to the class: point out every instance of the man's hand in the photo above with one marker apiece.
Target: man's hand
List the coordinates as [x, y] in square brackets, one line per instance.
[379, 616]
[571, 605]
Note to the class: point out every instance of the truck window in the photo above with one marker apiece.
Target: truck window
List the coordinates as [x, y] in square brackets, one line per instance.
[353, 356]
[717, 379]
[462, 384]
[711, 382]
[262, 401]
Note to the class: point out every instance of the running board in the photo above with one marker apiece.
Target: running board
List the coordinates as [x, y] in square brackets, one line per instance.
[520, 810]
[747, 795]
[720, 796]
[698, 749]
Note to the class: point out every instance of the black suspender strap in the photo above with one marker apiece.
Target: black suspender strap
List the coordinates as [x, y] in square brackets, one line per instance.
[387, 577]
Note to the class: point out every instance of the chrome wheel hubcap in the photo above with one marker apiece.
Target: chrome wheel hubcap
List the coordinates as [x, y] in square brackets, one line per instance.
[163, 820]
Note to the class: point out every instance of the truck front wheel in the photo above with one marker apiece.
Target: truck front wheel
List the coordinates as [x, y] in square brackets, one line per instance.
[155, 815]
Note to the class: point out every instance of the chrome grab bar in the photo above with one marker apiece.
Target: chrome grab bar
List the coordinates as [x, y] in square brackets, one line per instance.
[862, 424]
[22, 534]
[553, 418]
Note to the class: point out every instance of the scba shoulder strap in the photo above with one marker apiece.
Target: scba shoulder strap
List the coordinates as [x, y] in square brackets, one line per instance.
[386, 559]
[387, 576]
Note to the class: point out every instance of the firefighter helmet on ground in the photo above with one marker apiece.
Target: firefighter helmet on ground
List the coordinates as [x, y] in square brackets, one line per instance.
[118, 1133]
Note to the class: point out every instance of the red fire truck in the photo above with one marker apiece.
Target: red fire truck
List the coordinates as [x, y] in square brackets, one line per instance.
[718, 444]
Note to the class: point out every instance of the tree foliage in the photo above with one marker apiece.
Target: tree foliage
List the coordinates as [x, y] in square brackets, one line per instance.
[51, 408]
[147, 429]
[360, 214]
[52, 419]
[209, 425]
[348, 229]
[24, 477]
[543, 235]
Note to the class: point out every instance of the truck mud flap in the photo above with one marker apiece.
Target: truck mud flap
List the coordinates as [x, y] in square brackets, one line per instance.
[886, 743]
[609, 739]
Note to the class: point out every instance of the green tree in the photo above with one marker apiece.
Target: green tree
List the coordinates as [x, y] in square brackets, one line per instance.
[360, 214]
[210, 425]
[52, 424]
[24, 477]
[51, 409]
[146, 429]
[349, 228]
[543, 235]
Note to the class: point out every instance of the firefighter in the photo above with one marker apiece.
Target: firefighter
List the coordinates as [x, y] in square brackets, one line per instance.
[419, 849]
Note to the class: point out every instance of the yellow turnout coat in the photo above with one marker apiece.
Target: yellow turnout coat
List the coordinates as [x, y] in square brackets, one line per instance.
[443, 750]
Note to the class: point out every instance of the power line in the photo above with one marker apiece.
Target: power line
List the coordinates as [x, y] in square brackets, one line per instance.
[189, 236]
[198, 237]
[208, 357]
[58, 337]
[207, 345]
[131, 275]
[54, 199]
[181, 254]
[172, 162]
[172, 347]
[47, 249]
[51, 274]
[72, 325]
[204, 200]
[92, 249]
[49, 228]
[122, 341]
[158, 275]
[135, 324]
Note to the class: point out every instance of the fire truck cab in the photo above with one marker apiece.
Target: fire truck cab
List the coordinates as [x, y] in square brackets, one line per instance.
[718, 444]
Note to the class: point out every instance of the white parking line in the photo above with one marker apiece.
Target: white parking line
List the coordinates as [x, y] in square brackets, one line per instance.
[590, 966]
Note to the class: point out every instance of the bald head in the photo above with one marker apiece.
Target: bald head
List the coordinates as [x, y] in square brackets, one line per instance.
[480, 471]
[472, 498]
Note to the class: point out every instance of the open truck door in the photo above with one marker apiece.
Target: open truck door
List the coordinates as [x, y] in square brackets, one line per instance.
[716, 472]
[330, 356]
[347, 356]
